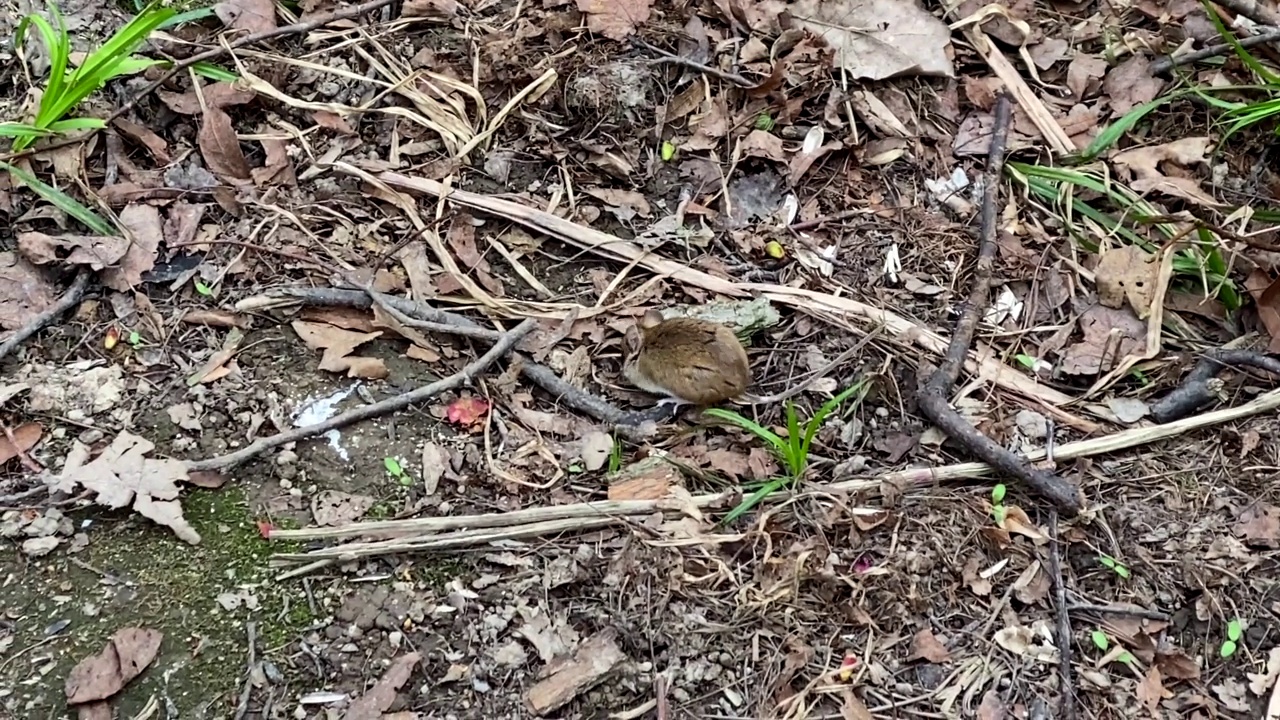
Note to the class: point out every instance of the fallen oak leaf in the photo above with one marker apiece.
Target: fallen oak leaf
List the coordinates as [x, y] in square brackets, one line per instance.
[615, 19]
[220, 146]
[26, 435]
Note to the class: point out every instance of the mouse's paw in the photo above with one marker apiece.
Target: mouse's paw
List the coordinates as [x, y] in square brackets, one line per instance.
[674, 402]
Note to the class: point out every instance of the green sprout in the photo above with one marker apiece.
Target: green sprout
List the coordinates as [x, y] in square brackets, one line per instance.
[1114, 565]
[792, 451]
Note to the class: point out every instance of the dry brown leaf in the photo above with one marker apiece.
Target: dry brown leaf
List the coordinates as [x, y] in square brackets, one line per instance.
[1016, 521]
[378, 699]
[278, 168]
[154, 144]
[334, 508]
[851, 707]
[1266, 296]
[615, 19]
[1177, 664]
[146, 230]
[1131, 84]
[217, 318]
[1259, 524]
[436, 9]
[925, 645]
[629, 200]
[878, 39]
[122, 475]
[96, 251]
[761, 144]
[1151, 691]
[251, 16]
[338, 345]
[1143, 165]
[334, 121]
[98, 677]
[1098, 345]
[25, 291]
[27, 436]
[217, 95]
[1083, 74]
[1127, 273]
[220, 147]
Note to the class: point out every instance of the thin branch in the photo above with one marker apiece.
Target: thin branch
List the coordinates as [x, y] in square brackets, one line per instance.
[1201, 386]
[673, 59]
[389, 405]
[1119, 610]
[933, 397]
[68, 300]
[1062, 625]
[1165, 64]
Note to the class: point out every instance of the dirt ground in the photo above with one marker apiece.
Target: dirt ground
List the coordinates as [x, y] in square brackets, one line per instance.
[440, 561]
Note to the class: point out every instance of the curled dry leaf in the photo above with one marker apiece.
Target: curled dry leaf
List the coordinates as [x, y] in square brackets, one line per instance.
[96, 251]
[1099, 345]
[1143, 166]
[926, 646]
[338, 345]
[27, 436]
[879, 39]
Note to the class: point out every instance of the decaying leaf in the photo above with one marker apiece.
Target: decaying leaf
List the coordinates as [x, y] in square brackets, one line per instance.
[1259, 525]
[1109, 335]
[378, 699]
[27, 435]
[251, 16]
[1127, 273]
[123, 475]
[98, 677]
[338, 345]
[146, 230]
[879, 39]
[615, 19]
[96, 251]
[220, 146]
[1143, 166]
[333, 507]
[925, 645]
[25, 291]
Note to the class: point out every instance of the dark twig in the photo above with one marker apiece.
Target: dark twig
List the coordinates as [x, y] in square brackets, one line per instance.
[242, 708]
[389, 405]
[834, 217]
[1062, 625]
[1201, 386]
[933, 397]
[631, 424]
[1119, 610]
[68, 300]
[1165, 64]
[295, 29]
[672, 58]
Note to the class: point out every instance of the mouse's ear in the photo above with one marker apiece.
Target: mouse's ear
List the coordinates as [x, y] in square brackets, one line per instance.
[652, 317]
[631, 340]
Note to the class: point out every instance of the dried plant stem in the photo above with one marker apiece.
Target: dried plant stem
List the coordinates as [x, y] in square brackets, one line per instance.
[68, 300]
[389, 405]
[1062, 626]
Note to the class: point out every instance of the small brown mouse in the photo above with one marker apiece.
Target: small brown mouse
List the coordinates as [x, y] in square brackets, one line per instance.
[689, 361]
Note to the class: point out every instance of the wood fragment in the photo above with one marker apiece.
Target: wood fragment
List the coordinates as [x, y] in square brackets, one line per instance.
[590, 663]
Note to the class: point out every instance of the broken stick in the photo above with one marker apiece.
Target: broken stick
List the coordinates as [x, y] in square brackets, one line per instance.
[933, 397]
[389, 405]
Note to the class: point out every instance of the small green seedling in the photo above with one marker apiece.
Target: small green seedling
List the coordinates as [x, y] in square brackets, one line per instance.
[792, 451]
[393, 468]
[204, 289]
[615, 457]
[1100, 640]
[668, 150]
[1114, 565]
[135, 338]
[765, 122]
[1235, 630]
[998, 510]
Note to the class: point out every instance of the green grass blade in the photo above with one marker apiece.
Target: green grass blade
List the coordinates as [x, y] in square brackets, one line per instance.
[190, 16]
[827, 408]
[1116, 130]
[63, 201]
[796, 461]
[754, 499]
[747, 424]
[70, 124]
[21, 130]
[1229, 37]
[214, 72]
[101, 65]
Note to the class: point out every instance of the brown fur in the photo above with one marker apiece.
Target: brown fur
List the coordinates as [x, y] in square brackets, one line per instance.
[696, 361]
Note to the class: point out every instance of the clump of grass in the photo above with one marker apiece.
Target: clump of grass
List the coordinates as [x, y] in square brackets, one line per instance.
[792, 450]
[67, 87]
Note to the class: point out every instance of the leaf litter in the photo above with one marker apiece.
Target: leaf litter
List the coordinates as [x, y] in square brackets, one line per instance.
[285, 170]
